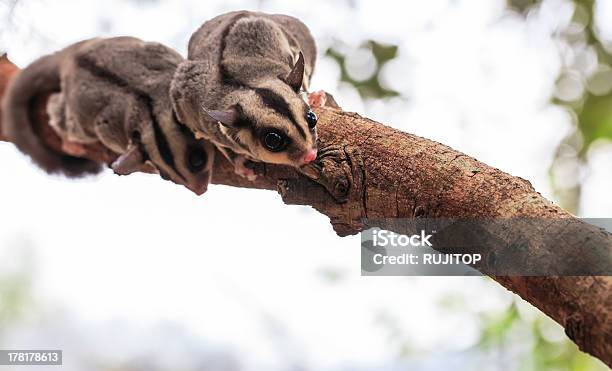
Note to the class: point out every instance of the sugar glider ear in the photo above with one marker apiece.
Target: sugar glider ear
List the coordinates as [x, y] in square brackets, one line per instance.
[295, 78]
[228, 117]
[129, 162]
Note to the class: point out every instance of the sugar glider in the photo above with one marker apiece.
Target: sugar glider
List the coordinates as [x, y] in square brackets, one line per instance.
[113, 92]
[243, 88]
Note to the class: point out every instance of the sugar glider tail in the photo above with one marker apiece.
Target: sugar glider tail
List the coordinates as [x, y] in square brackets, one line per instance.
[39, 78]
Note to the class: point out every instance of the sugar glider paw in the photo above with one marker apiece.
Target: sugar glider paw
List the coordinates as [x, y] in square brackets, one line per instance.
[322, 98]
[242, 168]
[317, 98]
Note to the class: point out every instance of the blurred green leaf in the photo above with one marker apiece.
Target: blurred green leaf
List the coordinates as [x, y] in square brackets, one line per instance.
[370, 88]
[497, 327]
[15, 298]
[595, 119]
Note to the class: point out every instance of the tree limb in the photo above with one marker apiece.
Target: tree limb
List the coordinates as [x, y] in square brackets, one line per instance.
[368, 170]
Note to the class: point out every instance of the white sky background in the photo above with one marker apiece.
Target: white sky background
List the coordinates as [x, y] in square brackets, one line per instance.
[143, 250]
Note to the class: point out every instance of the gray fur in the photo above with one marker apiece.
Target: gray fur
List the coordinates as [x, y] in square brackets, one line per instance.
[231, 56]
[114, 92]
[40, 78]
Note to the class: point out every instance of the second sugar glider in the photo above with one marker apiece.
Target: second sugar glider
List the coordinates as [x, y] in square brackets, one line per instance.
[113, 92]
[243, 88]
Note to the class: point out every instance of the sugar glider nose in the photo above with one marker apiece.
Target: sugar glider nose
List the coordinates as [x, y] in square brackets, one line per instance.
[310, 156]
[199, 189]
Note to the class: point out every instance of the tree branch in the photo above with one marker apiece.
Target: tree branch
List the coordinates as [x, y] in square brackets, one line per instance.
[368, 170]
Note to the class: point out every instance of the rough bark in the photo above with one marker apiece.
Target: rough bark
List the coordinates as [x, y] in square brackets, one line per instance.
[368, 170]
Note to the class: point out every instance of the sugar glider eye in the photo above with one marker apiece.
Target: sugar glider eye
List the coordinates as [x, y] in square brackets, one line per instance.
[311, 119]
[196, 159]
[274, 140]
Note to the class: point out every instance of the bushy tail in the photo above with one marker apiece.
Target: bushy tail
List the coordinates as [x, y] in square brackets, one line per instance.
[39, 78]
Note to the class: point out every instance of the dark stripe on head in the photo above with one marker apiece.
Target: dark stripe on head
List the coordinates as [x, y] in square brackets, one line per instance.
[277, 103]
[161, 141]
[244, 122]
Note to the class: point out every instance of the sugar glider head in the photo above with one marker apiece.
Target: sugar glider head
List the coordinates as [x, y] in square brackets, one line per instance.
[175, 154]
[271, 120]
[194, 163]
